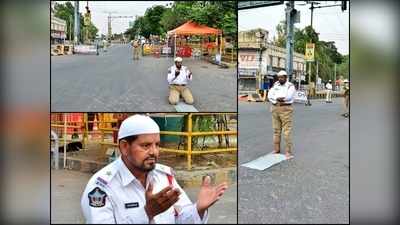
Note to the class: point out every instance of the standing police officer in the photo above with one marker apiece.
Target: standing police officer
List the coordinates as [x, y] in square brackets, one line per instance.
[328, 87]
[135, 189]
[281, 95]
[136, 49]
[346, 98]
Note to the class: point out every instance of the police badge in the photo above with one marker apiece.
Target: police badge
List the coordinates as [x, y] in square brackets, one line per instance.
[97, 197]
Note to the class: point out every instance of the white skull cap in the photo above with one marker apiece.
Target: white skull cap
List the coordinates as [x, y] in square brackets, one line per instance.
[137, 124]
[178, 59]
[282, 73]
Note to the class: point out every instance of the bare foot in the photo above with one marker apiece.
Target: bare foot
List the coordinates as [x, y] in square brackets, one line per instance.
[288, 155]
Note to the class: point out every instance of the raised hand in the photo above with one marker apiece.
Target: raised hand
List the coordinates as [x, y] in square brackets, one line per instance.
[163, 200]
[209, 194]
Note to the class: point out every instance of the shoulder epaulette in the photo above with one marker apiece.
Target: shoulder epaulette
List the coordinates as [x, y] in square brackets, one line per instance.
[165, 169]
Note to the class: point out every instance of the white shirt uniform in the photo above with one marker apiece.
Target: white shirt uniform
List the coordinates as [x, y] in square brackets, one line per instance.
[286, 91]
[183, 77]
[114, 195]
[328, 86]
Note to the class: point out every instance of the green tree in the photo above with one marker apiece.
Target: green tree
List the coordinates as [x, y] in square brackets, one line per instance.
[66, 12]
[92, 31]
[151, 22]
[343, 68]
[217, 14]
[325, 52]
[135, 29]
[170, 19]
[280, 38]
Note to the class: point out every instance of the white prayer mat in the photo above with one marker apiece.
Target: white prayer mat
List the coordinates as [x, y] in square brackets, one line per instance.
[266, 161]
[183, 107]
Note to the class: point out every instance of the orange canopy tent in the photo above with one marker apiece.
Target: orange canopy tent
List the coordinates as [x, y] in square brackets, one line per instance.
[192, 28]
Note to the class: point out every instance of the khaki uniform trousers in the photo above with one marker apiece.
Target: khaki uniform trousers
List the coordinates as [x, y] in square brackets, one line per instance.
[328, 95]
[175, 91]
[136, 52]
[282, 120]
[346, 102]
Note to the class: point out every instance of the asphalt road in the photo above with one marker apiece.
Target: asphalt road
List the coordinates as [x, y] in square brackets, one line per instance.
[113, 82]
[311, 188]
[67, 187]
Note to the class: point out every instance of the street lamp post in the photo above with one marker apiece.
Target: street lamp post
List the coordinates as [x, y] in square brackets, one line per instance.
[70, 28]
[290, 13]
[76, 24]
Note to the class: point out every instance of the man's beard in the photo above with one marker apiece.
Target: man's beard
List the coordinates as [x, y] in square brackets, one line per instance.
[282, 82]
[143, 166]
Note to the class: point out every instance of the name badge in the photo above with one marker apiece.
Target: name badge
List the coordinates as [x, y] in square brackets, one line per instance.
[131, 205]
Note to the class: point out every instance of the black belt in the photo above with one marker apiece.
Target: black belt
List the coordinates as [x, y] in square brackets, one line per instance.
[282, 104]
[179, 84]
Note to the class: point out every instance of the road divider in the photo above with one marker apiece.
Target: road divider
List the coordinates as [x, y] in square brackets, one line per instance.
[85, 49]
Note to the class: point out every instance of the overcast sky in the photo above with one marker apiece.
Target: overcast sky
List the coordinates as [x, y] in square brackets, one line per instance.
[122, 8]
[331, 22]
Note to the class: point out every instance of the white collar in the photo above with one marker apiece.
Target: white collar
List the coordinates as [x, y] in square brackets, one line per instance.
[126, 174]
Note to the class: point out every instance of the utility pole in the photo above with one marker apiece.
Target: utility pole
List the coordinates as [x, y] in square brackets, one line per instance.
[109, 28]
[312, 12]
[87, 21]
[290, 14]
[310, 63]
[308, 103]
[316, 77]
[343, 7]
[70, 28]
[76, 24]
[334, 86]
[259, 38]
[298, 86]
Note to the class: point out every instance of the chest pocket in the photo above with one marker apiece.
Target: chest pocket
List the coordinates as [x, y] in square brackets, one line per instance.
[130, 213]
[130, 206]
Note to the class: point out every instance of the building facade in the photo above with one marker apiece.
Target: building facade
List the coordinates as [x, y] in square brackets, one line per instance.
[58, 30]
[260, 60]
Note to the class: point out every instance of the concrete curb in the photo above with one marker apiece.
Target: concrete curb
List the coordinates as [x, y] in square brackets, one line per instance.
[323, 96]
[85, 166]
[194, 178]
[185, 178]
